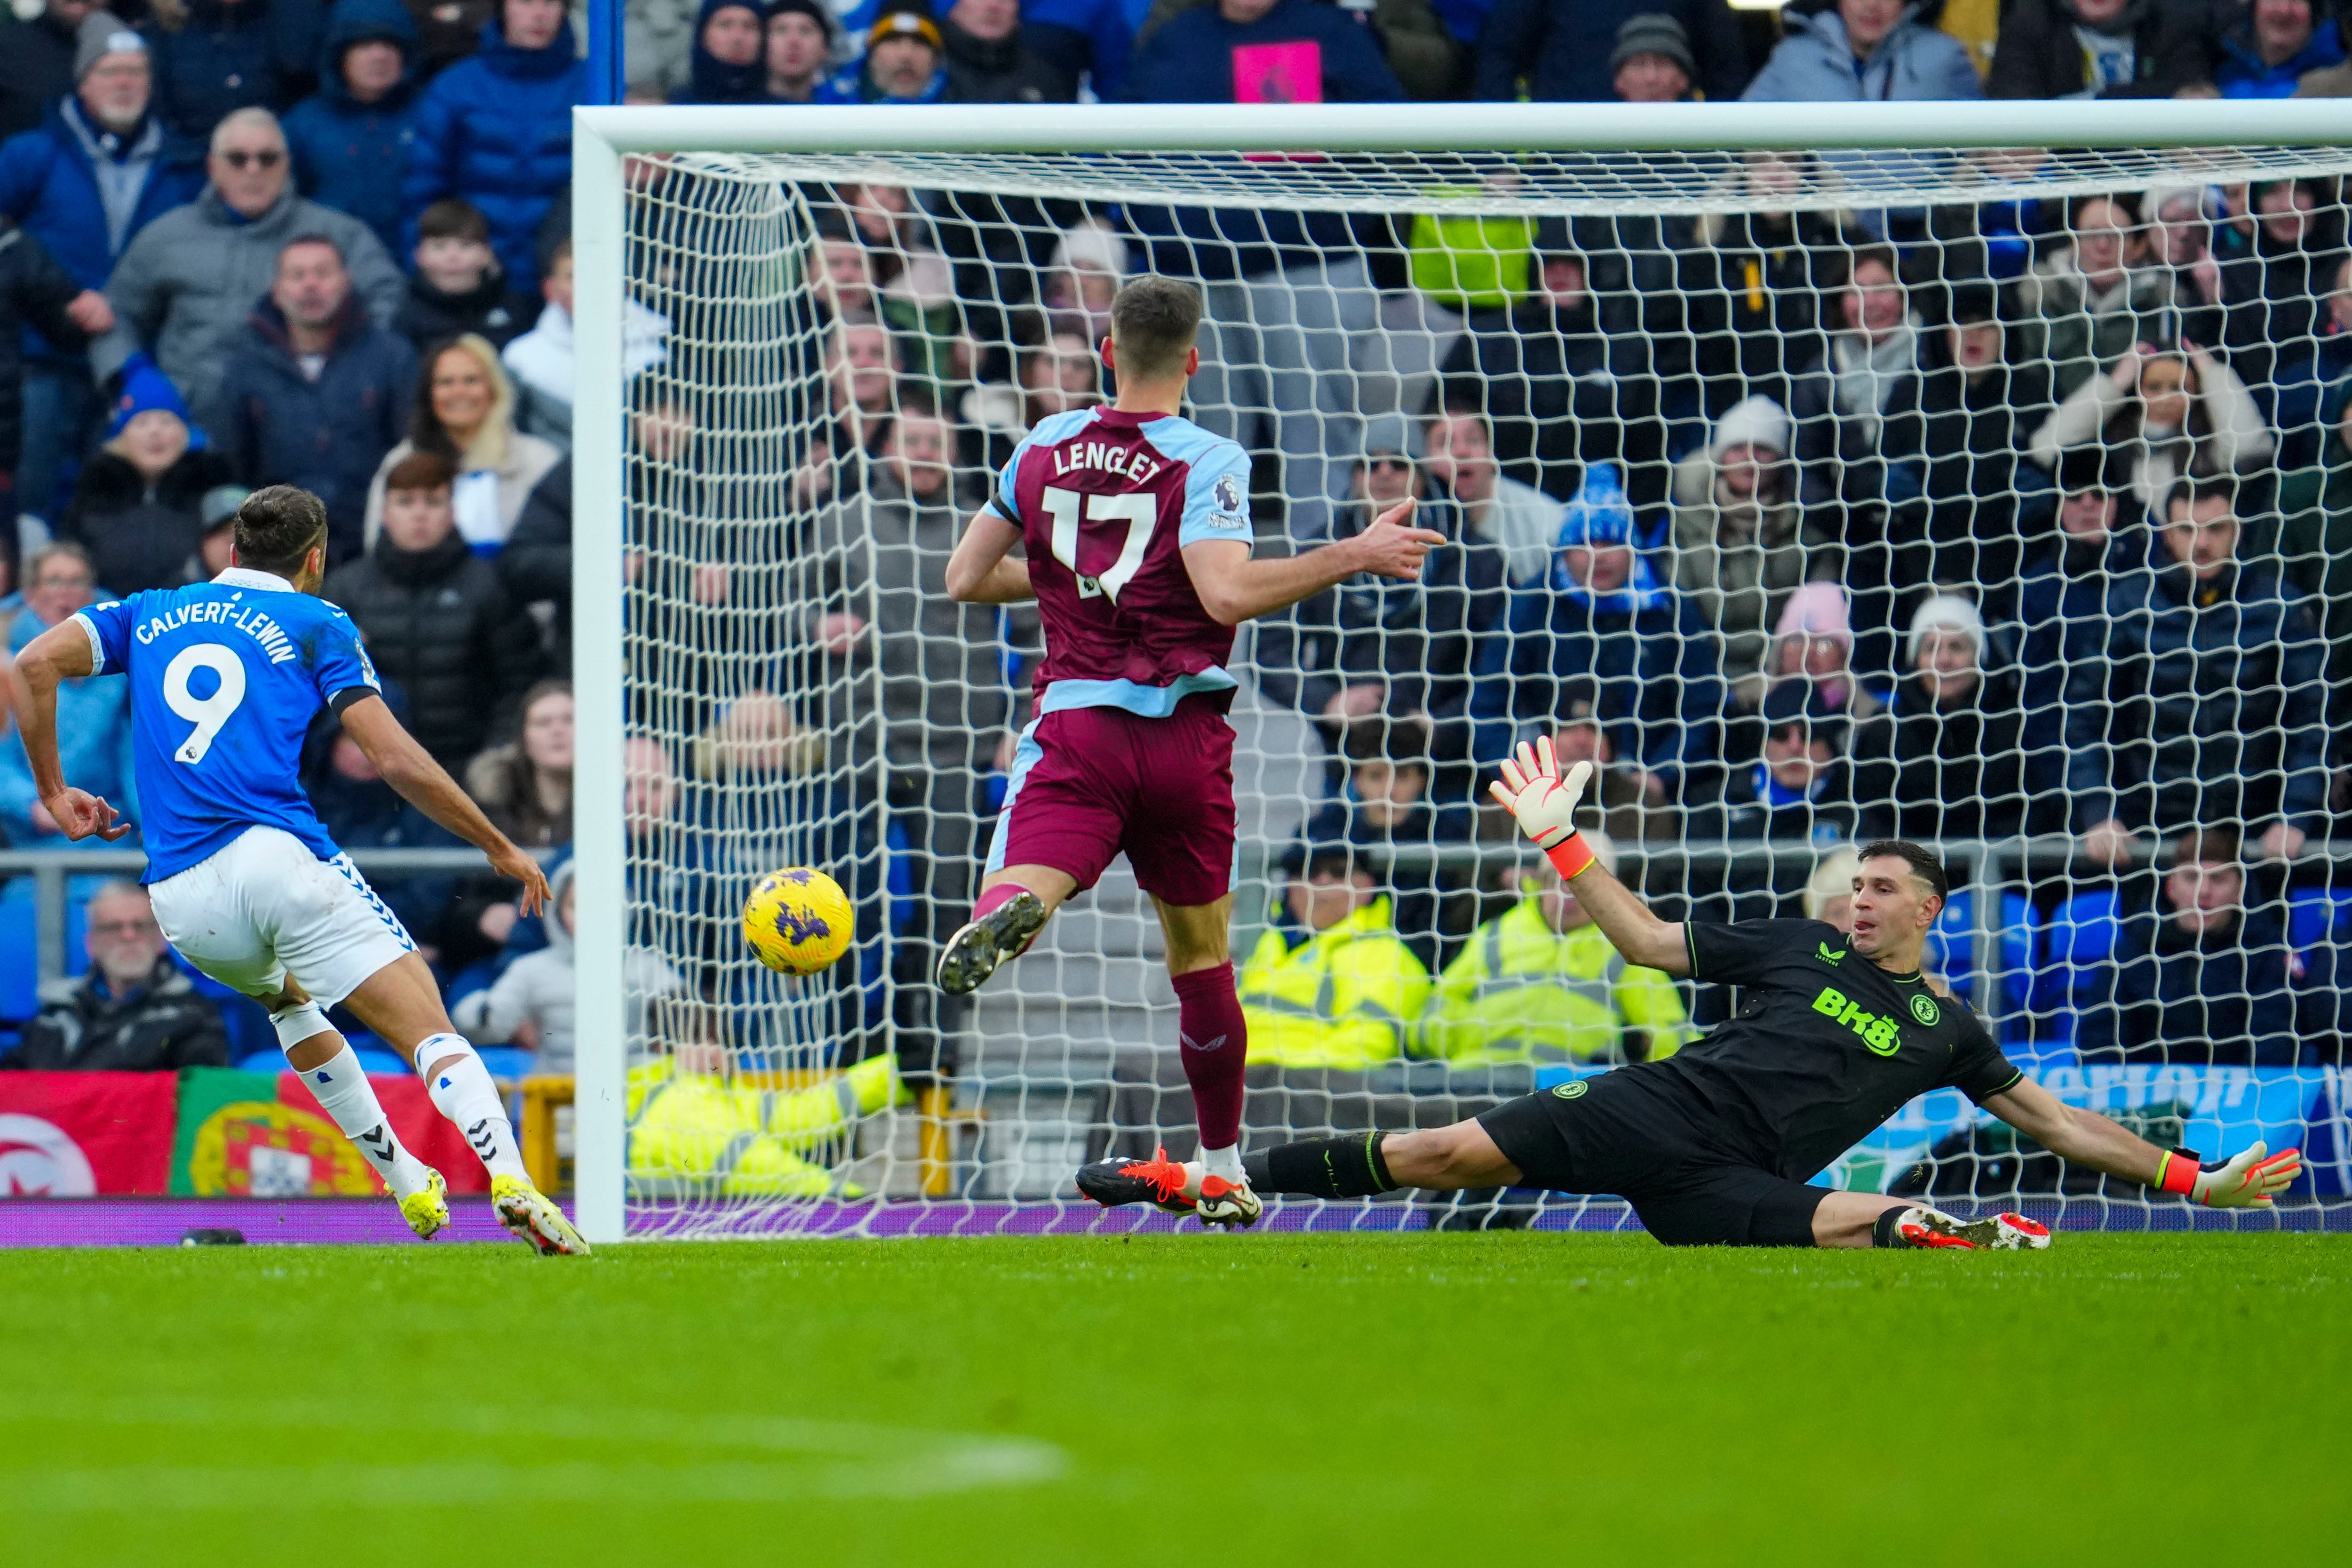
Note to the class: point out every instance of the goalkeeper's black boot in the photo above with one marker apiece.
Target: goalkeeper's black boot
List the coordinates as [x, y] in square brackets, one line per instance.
[1158, 1181]
[1004, 931]
[1924, 1227]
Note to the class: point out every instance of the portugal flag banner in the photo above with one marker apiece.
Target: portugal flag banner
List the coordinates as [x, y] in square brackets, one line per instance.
[261, 1134]
[80, 1134]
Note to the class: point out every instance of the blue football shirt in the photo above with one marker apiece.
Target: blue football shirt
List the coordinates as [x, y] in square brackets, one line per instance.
[225, 677]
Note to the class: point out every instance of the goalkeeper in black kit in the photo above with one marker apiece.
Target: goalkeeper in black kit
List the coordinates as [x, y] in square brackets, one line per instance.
[1715, 1143]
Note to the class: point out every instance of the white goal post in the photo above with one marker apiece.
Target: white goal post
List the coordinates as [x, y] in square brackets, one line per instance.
[1565, 159]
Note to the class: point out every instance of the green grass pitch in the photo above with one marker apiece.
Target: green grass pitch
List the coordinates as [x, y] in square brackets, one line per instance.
[1186, 1399]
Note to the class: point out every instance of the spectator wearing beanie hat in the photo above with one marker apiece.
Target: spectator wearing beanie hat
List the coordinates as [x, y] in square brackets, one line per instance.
[800, 34]
[139, 508]
[1742, 544]
[1652, 62]
[1947, 760]
[902, 62]
[729, 56]
[1814, 639]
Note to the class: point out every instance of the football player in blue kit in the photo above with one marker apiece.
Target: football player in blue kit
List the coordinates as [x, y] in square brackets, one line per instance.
[225, 677]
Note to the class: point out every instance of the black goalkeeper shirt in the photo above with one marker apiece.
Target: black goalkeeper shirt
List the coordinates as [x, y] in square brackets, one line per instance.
[1826, 1045]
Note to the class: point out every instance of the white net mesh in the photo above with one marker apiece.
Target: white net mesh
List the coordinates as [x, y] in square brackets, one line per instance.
[1819, 495]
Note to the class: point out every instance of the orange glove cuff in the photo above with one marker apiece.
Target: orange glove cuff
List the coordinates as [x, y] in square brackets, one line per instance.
[1569, 856]
[2178, 1172]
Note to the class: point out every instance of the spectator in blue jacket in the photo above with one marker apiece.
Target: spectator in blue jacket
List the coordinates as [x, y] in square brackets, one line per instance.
[1553, 51]
[349, 137]
[315, 392]
[215, 57]
[50, 185]
[1864, 52]
[729, 50]
[2275, 42]
[495, 130]
[93, 712]
[902, 63]
[1604, 627]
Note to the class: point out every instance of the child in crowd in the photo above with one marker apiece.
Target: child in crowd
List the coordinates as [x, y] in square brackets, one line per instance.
[458, 286]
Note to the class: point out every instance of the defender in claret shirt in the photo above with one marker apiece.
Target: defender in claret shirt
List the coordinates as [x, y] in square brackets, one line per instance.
[1716, 1143]
[1136, 533]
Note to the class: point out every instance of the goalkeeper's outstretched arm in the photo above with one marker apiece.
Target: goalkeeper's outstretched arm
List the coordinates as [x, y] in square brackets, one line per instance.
[1544, 803]
[2248, 1179]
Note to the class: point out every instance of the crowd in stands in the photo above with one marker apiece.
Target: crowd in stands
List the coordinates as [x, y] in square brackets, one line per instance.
[1805, 521]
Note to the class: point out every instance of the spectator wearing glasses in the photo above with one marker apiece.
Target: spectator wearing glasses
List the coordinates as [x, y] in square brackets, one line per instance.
[134, 1011]
[139, 508]
[185, 288]
[84, 183]
[93, 712]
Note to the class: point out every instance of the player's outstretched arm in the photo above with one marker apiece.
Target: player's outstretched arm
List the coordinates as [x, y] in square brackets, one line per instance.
[1234, 587]
[2250, 1179]
[424, 784]
[1532, 790]
[982, 571]
[61, 652]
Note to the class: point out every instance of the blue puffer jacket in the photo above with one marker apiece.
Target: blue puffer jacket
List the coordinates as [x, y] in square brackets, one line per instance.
[343, 150]
[49, 188]
[225, 57]
[497, 131]
[2241, 72]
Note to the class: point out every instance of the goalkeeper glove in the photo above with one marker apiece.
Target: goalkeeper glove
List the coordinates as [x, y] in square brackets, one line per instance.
[1533, 790]
[2247, 1181]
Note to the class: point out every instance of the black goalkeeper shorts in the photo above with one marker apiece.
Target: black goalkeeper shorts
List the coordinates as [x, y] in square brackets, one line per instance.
[1616, 1133]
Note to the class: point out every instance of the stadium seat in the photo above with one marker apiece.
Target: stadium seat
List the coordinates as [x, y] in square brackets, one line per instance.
[1952, 949]
[2313, 912]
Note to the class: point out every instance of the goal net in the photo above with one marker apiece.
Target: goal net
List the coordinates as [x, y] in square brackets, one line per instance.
[1990, 497]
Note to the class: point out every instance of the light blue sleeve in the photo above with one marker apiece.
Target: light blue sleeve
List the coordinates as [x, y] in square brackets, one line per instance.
[339, 663]
[1007, 484]
[1217, 497]
[108, 627]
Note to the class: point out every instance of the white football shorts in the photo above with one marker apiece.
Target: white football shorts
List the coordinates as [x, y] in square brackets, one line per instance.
[264, 908]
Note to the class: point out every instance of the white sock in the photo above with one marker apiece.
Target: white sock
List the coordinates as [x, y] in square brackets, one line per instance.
[463, 1093]
[342, 1091]
[1225, 1162]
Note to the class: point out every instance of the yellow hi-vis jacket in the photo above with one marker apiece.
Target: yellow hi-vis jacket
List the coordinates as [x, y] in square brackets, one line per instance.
[1347, 997]
[1522, 992]
[712, 1132]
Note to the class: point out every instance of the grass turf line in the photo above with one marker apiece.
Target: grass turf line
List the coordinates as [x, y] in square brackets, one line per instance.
[1253, 1398]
